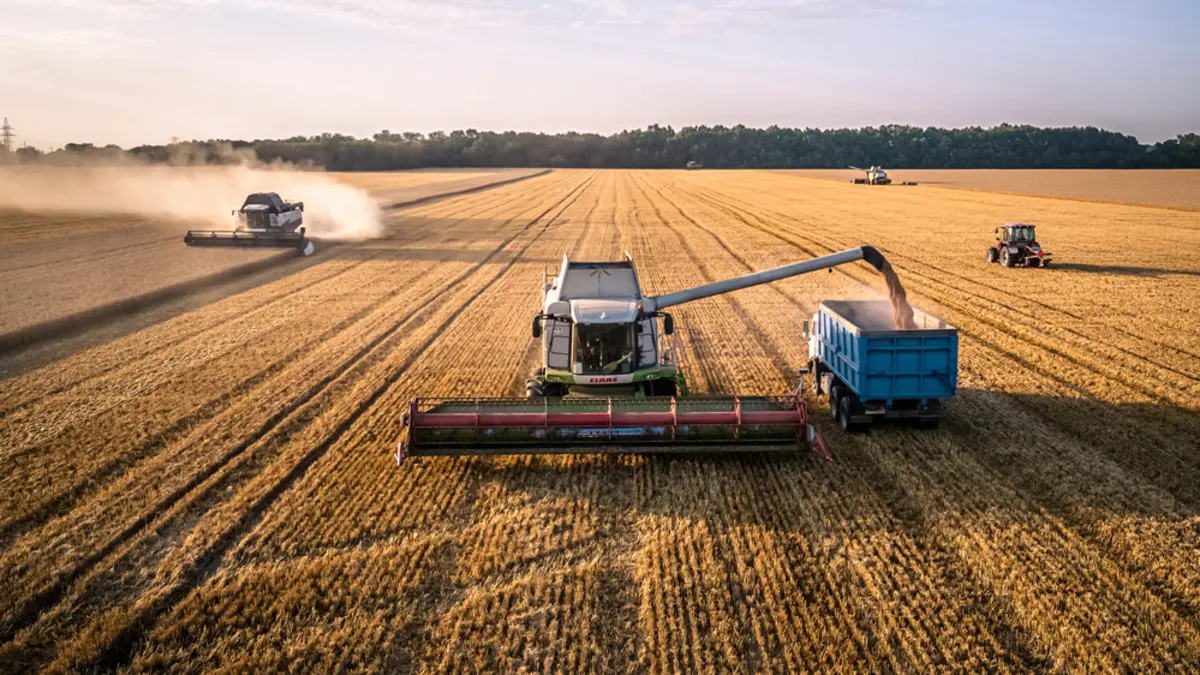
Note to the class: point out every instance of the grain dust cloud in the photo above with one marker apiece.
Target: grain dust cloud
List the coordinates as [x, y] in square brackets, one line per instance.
[200, 195]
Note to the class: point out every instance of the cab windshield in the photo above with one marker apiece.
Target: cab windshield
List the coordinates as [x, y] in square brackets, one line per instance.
[603, 349]
[1022, 234]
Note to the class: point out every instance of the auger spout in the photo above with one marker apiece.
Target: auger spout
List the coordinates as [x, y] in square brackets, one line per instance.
[865, 253]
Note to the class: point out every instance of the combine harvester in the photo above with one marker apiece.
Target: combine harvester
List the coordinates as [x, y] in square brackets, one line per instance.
[264, 220]
[610, 380]
[875, 176]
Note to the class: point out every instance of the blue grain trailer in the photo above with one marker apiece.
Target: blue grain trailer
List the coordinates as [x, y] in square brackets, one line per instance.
[872, 370]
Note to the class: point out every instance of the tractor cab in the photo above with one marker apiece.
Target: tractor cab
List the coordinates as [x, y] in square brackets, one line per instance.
[1021, 234]
[1016, 244]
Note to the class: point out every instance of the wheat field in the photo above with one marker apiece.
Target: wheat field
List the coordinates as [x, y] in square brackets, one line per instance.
[1174, 188]
[56, 265]
[217, 490]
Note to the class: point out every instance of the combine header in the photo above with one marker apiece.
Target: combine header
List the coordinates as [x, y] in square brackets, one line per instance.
[551, 425]
[610, 381]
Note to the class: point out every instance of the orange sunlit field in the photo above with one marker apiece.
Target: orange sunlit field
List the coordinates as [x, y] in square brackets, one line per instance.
[1177, 188]
[217, 489]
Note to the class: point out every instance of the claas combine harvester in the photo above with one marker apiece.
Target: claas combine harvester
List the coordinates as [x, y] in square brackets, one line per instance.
[610, 380]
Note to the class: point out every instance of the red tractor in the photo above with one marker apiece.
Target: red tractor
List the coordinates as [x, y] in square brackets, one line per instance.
[1017, 245]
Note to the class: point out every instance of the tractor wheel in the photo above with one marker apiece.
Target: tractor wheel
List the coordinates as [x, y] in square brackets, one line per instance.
[836, 392]
[992, 256]
[1006, 258]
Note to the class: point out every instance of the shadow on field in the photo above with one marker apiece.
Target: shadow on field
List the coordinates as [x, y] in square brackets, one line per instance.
[1123, 270]
[1126, 458]
[1058, 454]
[437, 240]
[39, 345]
[415, 196]
[451, 228]
[429, 254]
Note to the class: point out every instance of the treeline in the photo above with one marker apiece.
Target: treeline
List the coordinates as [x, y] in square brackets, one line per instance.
[1001, 147]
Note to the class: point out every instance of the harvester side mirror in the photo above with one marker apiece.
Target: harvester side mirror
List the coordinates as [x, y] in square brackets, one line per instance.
[537, 327]
[668, 324]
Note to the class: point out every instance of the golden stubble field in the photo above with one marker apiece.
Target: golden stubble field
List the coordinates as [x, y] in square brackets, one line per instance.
[218, 491]
[1177, 188]
[55, 265]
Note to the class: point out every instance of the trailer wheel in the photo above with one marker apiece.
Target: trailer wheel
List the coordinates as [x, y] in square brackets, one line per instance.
[845, 410]
[835, 398]
[827, 383]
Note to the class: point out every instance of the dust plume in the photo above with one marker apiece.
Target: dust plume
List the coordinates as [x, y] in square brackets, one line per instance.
[202, 195]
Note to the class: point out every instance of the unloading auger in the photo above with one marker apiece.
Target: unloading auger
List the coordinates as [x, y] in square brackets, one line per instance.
[610, 381]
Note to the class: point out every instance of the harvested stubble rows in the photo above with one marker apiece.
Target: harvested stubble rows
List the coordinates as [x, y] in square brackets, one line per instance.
[1172, 188]
[218, 490]
[396, 187]
[54, 266]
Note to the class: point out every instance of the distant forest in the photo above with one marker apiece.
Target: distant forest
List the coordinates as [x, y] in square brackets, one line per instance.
[1001, 147]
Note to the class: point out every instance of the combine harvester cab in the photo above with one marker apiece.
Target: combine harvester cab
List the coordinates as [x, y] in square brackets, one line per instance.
[264, 221]
[610, 381]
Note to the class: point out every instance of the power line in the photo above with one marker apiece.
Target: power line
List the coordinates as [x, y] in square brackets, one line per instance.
[6, 135]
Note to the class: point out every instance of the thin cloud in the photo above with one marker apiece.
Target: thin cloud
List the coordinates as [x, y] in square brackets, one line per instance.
[672, 15]
[77, 42]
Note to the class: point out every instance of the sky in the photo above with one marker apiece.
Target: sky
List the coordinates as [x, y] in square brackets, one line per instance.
[131, 72]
